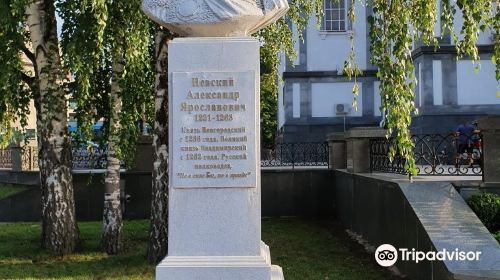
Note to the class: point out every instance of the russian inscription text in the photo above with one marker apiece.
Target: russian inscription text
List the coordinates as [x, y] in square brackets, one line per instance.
[214, 132]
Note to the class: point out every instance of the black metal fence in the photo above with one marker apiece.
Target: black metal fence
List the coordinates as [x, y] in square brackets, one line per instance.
[296, 155]
[283, 155]
[286, 155]
[434, 154]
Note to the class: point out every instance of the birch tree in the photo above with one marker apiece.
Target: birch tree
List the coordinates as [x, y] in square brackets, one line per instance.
[59, 228]
[30, 28]
[107, 45]
[158, 232]
[112, 217]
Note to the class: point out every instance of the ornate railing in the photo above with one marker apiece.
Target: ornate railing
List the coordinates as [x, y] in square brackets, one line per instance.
[6, 158]
[434, 155]
[82, 158]
[296, 155]
[283, 155]
[29, 158]
[94, 158]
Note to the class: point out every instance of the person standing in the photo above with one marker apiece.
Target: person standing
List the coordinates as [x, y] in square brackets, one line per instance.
[464, 133]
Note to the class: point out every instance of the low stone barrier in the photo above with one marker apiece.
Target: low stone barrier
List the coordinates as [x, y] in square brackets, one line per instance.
[284, 193]
[425, 216]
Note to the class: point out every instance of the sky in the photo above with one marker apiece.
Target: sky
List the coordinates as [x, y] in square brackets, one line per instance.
[59, 25]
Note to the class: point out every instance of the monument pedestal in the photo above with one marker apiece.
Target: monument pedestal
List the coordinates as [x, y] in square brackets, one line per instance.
[220, 267]
[214, 155]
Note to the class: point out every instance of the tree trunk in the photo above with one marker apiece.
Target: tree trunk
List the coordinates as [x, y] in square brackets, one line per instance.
[60, 233]
[157, 247]
[112, 218]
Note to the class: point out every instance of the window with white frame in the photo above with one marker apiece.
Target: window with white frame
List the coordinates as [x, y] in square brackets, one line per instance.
[334, 19]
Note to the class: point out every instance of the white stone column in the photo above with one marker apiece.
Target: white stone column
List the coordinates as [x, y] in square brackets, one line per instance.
[214, 188]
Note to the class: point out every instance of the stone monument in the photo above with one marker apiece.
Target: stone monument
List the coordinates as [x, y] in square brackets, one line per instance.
[214, 132]
[215, 18]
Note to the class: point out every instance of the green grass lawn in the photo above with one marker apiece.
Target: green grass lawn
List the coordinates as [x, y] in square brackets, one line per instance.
[8, 190]
[306, 250]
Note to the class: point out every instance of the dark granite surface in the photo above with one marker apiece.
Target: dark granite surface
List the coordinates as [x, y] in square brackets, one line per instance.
[451, 225]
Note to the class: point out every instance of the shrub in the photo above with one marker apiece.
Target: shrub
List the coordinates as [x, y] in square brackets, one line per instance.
[497, 236]
[487, 208]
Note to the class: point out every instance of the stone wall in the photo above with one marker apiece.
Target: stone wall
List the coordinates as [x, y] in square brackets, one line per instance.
[284, 193]
[428, 216]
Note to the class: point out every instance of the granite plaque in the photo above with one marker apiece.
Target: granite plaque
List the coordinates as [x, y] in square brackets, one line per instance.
[214, 129]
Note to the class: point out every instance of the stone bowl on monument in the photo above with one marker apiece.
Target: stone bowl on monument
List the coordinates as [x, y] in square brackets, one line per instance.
[214, 131]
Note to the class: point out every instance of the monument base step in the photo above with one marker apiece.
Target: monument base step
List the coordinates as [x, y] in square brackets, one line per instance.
[219, 267]
[277, 273]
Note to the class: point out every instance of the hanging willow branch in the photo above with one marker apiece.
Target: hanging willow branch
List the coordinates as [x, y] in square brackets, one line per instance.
[395, 27]
[351, 67]
[91, 33]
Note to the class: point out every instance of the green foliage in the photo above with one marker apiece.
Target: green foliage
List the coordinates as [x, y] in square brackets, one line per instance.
[392, 39]
[351, 68]
[15, 80]
[395, 27]
[268, 112]
[477, 16]
[82, 45]
[495, 24]
[497, 236]
[487, 208]
[138, 81]
[95, 34]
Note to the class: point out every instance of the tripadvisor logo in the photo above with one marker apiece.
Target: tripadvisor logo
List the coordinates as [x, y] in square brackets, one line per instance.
[386, 255]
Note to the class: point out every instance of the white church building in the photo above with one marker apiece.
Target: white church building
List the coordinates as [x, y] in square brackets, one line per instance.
[316, 98]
